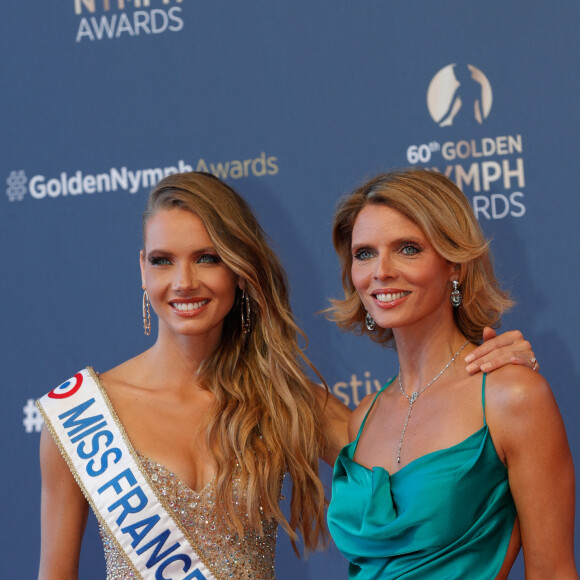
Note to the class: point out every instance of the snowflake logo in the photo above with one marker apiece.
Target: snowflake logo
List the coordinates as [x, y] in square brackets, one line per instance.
[16, 185]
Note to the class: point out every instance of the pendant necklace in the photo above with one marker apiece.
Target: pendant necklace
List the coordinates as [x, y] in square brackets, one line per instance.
[416, 394]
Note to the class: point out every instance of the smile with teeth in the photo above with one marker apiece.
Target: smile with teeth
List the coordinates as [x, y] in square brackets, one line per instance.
[188, 306]
[390, 297]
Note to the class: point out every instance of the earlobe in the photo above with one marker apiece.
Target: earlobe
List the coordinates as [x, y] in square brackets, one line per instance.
[455, 275]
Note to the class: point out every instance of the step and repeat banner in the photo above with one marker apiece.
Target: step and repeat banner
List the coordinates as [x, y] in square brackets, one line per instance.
[294, 104]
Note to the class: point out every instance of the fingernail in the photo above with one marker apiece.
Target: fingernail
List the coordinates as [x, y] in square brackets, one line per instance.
[471, 368]
[469, 358]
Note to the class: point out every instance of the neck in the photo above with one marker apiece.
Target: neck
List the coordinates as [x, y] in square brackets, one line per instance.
[175, 359]
[424, 352]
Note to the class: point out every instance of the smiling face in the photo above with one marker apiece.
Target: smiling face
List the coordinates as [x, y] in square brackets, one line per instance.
[189, 286]
[400, 278]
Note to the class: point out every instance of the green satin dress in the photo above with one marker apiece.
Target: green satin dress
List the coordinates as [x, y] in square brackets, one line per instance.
[448, 514]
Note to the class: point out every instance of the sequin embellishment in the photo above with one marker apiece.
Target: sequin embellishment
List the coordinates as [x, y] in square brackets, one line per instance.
[222, 549]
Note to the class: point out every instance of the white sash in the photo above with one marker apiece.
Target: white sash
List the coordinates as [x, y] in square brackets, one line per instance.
[102, 460]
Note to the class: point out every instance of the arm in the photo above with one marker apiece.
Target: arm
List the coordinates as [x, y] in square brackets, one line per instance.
[335, 416]
[64, 513]
[529, 435]
[500, 350]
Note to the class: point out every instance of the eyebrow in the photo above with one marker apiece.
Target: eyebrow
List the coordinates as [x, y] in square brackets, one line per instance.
[198, 251]
[395, 242]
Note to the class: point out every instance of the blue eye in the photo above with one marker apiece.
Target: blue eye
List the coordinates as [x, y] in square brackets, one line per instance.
[209, 259]
[410, 249]
[159, 260]
[362, 254]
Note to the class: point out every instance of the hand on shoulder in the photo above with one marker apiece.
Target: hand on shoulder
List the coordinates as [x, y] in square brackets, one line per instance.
[498, 350]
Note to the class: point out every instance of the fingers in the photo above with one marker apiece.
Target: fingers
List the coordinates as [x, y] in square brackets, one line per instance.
[500, 350]
[498, 359]
[525, 361]
[492, 362]
[489, 333]
[512, 339]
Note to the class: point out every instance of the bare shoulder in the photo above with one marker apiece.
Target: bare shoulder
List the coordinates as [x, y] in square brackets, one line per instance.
[520, 409]
[516, 389]
[127, 375]
[358, 415]
[49, 452]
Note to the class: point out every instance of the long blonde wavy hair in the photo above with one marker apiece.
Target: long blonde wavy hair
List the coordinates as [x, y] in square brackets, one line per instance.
[265, 421]
[442, 212]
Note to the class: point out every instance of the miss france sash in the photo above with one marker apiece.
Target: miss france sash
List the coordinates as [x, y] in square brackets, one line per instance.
[90, 437]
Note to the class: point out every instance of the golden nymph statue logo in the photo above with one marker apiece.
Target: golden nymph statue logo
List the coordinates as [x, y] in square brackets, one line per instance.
[459, 94]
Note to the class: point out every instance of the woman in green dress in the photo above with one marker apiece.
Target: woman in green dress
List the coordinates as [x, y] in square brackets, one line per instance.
[447, 474]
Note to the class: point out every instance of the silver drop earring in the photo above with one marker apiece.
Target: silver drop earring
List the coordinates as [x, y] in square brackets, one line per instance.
[246, 313]
[456, 297]
[369, 322]
[146, 314]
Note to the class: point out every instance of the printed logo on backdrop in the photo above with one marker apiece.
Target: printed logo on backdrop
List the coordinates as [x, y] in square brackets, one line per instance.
[32, 420]
[461, 93]
[123, 179]
[353, 389]
[16, 183]
[488, 169]
[102, 20]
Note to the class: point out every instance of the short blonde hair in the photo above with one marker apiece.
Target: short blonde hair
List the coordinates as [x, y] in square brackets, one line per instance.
[443, 213]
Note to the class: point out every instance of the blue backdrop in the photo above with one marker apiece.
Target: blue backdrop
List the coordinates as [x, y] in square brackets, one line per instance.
[294, 104]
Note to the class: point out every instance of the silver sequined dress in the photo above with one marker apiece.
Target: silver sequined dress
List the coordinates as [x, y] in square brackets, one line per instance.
[225, 553]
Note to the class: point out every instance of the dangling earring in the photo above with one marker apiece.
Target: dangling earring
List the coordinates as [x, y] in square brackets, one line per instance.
[146, 313]
[456, 297]
[369, 322]
[246, 313]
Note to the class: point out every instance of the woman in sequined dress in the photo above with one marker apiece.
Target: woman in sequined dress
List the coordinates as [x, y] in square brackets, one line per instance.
[220, 399]
[219, 408]
[447, 474]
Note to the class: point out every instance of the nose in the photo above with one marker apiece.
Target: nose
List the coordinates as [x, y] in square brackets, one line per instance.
[384, 267]
[185, 278]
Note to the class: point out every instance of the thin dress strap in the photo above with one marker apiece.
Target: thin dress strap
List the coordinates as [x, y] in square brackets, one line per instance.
[483, 397]
[367, 413]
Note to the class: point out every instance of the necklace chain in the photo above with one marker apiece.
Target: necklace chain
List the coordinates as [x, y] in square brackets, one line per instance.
[414, 396]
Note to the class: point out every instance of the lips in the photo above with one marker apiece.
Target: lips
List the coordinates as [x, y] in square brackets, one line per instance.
[186, 307]
[385, 297]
